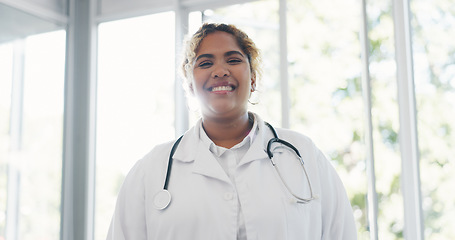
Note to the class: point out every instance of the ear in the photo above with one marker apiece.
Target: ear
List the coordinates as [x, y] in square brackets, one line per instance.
[253, 84]
[190, 87]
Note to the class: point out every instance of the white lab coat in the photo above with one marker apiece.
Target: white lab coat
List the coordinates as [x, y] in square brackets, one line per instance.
[204, 202]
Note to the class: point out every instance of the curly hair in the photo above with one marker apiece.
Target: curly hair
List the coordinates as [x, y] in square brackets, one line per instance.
[245, 43]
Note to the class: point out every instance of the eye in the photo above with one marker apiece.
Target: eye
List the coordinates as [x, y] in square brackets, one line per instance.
[234, 61]
[205, 64]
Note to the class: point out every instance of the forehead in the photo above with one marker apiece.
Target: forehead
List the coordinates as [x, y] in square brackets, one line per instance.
[218, 42]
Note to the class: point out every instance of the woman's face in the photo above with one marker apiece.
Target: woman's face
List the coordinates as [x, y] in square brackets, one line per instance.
[221, 76]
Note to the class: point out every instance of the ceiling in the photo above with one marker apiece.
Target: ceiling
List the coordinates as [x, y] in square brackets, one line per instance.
[15, 24]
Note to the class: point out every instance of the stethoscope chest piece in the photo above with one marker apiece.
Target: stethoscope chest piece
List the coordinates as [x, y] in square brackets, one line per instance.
[162, 199]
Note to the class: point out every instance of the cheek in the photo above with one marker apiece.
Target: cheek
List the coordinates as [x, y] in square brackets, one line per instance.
[196, 84]
[247, 78]
[201, 77]
[198, 77]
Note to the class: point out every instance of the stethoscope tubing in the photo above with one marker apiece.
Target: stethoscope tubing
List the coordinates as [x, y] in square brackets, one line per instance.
[163, 197]
[170, 162]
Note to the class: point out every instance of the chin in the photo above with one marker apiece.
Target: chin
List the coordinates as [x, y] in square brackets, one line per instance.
[226, 112]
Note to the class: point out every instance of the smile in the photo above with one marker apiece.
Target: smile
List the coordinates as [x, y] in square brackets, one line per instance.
[221, 89]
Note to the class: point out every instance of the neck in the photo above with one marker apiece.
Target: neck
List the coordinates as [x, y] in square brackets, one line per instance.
[228, 132]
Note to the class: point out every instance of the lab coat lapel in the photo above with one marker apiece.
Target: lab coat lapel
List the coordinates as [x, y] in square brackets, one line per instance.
[258, 146]
[206, 164]
[192, 149]
[186, 150]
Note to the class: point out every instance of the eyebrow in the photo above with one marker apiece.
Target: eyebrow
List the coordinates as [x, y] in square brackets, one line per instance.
[227, 54]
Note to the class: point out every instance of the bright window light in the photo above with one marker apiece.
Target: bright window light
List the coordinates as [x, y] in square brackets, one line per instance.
[31, 123]
[135, 103]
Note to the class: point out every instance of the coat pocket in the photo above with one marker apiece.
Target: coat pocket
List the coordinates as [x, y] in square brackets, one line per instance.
[303, 220]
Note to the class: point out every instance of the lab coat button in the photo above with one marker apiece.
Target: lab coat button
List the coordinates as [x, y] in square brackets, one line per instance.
[228, 196]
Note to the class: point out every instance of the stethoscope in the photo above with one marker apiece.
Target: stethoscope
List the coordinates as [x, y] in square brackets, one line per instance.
[163, 198]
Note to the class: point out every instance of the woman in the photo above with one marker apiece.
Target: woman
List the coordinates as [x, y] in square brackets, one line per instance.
[221, 180]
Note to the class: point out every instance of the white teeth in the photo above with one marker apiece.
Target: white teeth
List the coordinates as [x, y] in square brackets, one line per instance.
[222, 88]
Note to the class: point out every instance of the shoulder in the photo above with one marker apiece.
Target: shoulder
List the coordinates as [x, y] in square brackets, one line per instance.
[149, 170]
[157, 155]
[159, 150]
[307, 148]
[295, 137]
[160, 154]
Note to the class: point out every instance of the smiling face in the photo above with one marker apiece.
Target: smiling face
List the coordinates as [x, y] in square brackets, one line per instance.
[222, 76]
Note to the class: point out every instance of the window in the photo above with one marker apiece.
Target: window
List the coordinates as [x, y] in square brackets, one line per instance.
[325, 82]
[433, 26]
[135, 103]
[6, 59]
[385, 119]
[31, 123]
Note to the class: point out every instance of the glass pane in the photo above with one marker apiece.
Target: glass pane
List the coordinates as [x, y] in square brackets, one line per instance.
[6, 63]
[32, 153]
[385, 119]
[433, 26]
[260, 21]
[326, 95]
[135, 104]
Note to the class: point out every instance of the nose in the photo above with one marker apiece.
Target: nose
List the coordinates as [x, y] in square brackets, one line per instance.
[220, 71]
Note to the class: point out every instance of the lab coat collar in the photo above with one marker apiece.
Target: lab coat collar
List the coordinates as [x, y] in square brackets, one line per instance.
[259, 145]
[189, 145]
[206, 164]
[191, 148]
